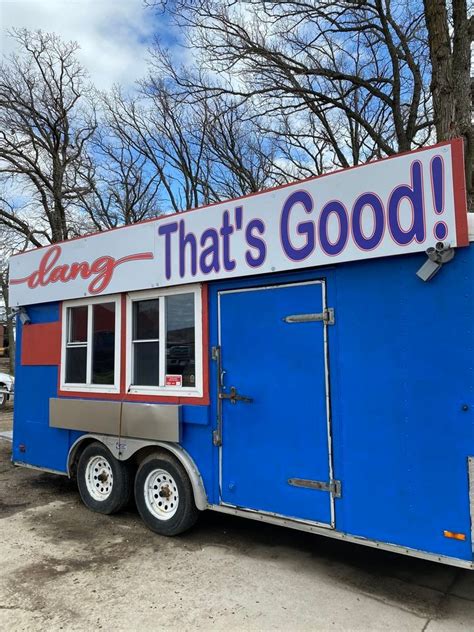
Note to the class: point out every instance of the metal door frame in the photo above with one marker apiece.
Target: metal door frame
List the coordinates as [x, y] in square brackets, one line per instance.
[322, 283]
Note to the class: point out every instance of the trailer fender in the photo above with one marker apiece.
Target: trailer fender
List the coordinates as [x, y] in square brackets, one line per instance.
[123, 449]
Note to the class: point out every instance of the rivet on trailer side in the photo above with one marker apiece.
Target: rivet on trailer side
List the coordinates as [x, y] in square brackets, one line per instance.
[301, 356]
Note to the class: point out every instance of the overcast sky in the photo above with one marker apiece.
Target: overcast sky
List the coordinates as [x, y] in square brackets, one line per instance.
[113, 34]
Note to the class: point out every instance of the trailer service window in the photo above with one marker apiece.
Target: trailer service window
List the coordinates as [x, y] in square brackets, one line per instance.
[163, 351]
[164, 342]
[157, 357]
[90, 345]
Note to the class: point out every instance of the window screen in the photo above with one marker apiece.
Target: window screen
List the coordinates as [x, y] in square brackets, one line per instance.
[103, 343]
[76, 345]
[163, 341]
[180, 338]
[146, 349]
[90, 344]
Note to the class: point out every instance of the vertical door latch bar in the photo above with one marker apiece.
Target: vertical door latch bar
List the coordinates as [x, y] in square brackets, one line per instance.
[217, 433]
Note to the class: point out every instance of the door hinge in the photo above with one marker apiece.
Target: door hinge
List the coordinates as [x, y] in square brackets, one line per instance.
[326, 316]
[334, 487]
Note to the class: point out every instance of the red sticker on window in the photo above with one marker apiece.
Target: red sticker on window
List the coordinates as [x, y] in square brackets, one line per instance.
[174, 380]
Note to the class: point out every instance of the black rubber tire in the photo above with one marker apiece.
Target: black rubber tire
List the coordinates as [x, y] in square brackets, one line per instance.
[122, 486]
[187, 512]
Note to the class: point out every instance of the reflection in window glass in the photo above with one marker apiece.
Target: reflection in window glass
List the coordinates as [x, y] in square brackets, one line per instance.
[146, 364]
[146, 319]
[76, 364]
[180, 338]
[103, 341]
[77, 324]
[76, 345]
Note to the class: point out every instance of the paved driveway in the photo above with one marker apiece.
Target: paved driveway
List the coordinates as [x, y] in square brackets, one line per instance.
[63, 567]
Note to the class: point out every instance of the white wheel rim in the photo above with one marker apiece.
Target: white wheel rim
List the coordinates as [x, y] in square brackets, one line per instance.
[99, 478]
[161, 494]
[2, 398]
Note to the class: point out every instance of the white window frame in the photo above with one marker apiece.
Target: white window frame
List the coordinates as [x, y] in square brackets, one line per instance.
[89, 387]
[166, 391]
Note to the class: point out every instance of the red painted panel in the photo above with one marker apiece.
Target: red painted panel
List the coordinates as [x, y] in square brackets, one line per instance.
[41, 344]
[459, 187]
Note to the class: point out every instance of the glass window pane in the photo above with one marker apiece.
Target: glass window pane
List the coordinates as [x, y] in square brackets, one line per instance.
[146, 319]
[180, 337]
[76, 365]
[103, 337]
[146, 364]
[77, 324]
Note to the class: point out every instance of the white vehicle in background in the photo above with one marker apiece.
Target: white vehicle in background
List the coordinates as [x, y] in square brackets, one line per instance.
[7, 387]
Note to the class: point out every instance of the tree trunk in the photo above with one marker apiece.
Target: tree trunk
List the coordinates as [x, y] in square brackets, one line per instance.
[441, 62]
[450, 84]
[462, 83]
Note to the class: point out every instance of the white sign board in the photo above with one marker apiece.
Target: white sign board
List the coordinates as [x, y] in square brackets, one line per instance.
[399, 205]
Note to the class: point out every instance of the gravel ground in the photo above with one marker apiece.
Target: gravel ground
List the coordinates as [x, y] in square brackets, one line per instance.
[65, 568]
[6, 417]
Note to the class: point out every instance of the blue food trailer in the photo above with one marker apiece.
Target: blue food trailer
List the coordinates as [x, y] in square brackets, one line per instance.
[302, 356]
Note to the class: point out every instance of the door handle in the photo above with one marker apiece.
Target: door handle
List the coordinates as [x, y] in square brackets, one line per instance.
[235, 397]
[223, 372]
